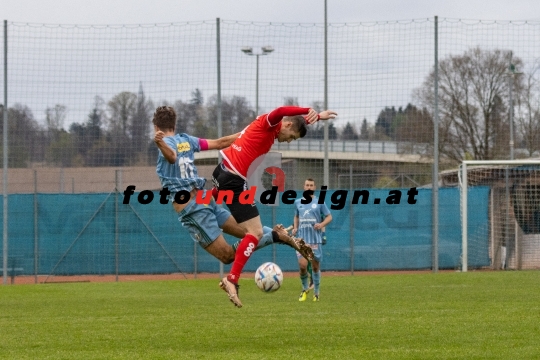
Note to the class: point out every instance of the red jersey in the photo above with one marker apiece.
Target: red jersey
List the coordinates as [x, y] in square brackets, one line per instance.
[256, 139]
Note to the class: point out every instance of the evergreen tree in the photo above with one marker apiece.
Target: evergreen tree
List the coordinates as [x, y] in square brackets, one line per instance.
[349, 132]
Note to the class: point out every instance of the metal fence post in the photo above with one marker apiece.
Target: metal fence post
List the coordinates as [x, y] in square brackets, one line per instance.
[351, 220]
[118, 185]
[195, 260]
[219, 121]
[274, 252]
[62, 180]
[326, 166]
[36, 236]
[435, 180]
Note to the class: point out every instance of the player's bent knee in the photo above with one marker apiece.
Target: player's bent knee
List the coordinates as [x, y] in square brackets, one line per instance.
[225, 257]
[221, 250]
[228, 257]
[227, 260]
[258, 234]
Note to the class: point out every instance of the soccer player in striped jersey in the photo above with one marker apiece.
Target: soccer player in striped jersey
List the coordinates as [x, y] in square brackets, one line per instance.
[285, 124]
[178, 174]
[308, 224]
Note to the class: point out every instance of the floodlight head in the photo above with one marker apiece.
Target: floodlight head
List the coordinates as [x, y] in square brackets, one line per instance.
[247, 50]
[267, 49]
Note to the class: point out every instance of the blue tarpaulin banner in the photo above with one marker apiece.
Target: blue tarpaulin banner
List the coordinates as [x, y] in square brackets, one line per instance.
[96, 233]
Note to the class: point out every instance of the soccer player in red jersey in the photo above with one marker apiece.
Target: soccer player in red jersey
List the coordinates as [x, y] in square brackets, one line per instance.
[285, 124]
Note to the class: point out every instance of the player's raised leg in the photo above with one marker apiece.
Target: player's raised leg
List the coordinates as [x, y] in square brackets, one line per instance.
[254, 233]
[202, 222]
[296, 243]
[231, 227]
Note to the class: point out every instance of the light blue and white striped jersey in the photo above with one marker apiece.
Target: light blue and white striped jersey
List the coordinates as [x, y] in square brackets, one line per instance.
[181, 175]
[309, 215]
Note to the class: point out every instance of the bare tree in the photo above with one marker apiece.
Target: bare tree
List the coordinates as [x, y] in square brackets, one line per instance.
[473, 103]
[140, 127]
[54, 120]
[121, 109]
[192, 116]
[199, 125]
[290, 101]
[185, 116]
[27, 139]
[235, 110]
[528, 111]
[88, 134]
[115, 149]
[318, 106]
[62, 151]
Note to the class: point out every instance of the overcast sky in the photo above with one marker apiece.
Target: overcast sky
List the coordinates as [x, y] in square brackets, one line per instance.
[371, 66]
[298, 11]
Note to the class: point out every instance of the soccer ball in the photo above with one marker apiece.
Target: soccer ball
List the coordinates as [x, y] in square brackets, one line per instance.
[268, 277]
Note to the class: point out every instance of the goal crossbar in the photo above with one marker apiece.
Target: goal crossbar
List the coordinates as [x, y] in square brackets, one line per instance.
[464, 186]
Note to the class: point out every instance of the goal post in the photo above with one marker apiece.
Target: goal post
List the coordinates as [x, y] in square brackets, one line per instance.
[524, 181]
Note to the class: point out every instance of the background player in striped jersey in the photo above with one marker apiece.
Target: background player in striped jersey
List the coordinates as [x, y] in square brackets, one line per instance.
[285, 124]
[177, 172]
[309, 267]
[308, 224]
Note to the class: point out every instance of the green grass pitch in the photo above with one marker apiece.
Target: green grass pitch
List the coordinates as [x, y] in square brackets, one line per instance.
[475, 315]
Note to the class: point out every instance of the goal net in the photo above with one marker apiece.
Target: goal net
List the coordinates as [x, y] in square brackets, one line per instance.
[512, 231]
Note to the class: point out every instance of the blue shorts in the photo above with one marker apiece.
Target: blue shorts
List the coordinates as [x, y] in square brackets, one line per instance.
[317, 252]
[203, 222]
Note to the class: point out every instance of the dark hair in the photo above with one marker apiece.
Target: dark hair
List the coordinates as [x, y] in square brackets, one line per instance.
[165, 118]
[310, 179]
[298, 124]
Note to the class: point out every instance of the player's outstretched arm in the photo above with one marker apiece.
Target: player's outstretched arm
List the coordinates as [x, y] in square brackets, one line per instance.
[313, 117]
[168, 153]
[327, 115]
[276, 115]
[222, 142]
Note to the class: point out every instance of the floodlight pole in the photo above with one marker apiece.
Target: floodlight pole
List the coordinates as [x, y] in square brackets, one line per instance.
[464, 232]
[266, 50]
[326, 163]
[257, 88]
[218, 63]
[5, 158]
[511, 75]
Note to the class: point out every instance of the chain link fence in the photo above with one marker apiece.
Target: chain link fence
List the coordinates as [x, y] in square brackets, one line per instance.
[80, 99]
